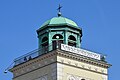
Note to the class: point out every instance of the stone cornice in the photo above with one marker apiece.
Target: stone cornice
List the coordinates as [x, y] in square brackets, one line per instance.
[63, 54]
[33, 61]
[83, 59]
[34, 70]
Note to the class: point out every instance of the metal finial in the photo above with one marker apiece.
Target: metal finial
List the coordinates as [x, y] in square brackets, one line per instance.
[59, 10]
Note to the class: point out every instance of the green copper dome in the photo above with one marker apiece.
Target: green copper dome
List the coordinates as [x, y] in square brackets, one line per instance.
[57, 21]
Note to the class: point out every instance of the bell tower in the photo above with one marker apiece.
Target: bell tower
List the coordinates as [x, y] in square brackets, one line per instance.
[59, 30]
[59, 55]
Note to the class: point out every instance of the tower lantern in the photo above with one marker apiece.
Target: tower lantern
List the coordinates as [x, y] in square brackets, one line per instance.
[67, 30]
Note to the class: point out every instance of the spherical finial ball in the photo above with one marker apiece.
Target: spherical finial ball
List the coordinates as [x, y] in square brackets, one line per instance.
[59, 14]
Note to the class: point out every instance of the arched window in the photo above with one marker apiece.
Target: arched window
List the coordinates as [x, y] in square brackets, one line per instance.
[72, 41]
[44, 45]
[56, 40]
[82, 79]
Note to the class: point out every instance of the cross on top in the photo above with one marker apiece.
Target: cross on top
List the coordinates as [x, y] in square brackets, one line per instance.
[59, 8]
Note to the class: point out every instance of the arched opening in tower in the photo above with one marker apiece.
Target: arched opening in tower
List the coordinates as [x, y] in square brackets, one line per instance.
[57, 39]
[72, 41]
[45, 44]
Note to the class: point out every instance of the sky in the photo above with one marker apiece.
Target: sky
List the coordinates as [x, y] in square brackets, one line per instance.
[99, 20]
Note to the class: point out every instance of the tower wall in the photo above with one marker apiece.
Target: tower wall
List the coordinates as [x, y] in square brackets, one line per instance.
[69, 69]
[43, 67]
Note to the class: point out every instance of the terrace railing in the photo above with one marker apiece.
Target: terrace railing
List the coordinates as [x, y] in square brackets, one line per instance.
[38, 52]
[35, 53]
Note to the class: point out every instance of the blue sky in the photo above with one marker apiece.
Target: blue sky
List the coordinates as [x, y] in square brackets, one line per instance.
[99, 19]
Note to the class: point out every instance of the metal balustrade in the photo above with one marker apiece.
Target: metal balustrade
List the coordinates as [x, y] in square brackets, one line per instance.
[38, 52]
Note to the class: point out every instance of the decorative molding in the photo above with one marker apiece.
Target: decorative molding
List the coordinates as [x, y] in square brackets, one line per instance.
[96, 69]
[102, 71]
[52, 60]
[76, 77]
[34, 61]
[89, 67]
[62, 60]
[104, 77]
[83, 59]
[69, 62]
[76, 64]
[32, 70]
[83, 68]
[42, 78]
